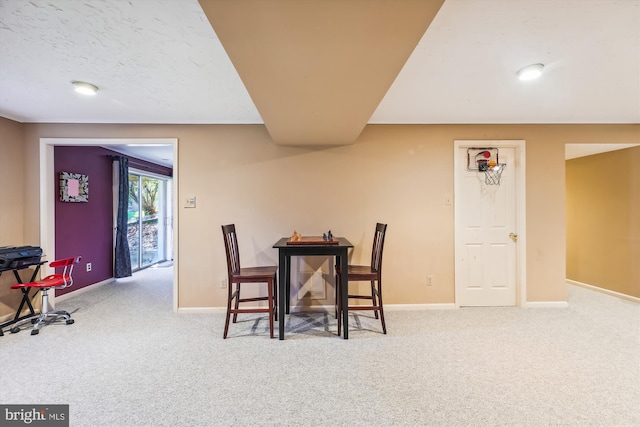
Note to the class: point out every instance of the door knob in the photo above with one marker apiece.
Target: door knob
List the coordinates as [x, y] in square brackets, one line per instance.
[513, 236]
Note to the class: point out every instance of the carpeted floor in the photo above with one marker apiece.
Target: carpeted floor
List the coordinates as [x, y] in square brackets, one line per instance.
[129, 361]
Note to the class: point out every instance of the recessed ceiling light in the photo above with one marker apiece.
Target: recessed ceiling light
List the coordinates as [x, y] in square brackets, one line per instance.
[85, 88]
[530, 72]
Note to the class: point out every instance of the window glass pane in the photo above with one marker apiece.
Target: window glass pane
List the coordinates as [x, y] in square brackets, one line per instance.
[149, 225]
[133, 228]
[149, 195]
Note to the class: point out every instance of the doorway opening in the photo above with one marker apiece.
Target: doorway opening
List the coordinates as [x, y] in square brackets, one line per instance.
[601, 186]
[48, 197]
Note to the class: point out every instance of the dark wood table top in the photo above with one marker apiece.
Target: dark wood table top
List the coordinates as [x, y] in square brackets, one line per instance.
[342, 243]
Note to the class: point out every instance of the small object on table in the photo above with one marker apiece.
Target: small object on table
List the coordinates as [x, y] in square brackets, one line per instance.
[296, 237]
[329, 235]
[312, 240]
[324, 236]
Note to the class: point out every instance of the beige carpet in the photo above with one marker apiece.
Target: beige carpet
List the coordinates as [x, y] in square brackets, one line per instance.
[129, 361]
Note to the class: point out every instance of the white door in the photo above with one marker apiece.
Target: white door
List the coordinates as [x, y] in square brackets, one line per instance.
[486, 230]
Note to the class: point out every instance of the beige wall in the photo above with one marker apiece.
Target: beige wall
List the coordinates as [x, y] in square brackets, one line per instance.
[12, 188]
[603, 220]
[12, 165]
[398, 174]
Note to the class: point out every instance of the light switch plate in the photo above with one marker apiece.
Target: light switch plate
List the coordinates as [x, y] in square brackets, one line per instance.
[190, 202]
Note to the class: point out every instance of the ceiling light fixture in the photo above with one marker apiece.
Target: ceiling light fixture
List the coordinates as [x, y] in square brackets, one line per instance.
[85, 88]
[530, 72]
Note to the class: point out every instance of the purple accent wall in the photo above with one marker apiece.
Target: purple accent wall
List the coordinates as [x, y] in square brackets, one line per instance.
[86, 229]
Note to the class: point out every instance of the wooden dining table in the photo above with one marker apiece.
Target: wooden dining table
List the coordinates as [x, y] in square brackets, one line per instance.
[337, 247]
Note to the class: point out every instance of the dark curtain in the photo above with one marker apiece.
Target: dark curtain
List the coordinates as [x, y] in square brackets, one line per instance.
[122, 255]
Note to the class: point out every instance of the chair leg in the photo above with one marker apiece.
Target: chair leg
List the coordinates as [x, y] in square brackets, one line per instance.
[229, 297]
[15, 328]
[275, 297]
[376, 298]
[45, 317]
[48, 317]
[373, 298]
[384, 326]
[235, 314]
[270, 303]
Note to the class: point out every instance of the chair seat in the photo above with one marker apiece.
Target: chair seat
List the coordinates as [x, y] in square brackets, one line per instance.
[362, 272]
[52, 281]
[255, 273]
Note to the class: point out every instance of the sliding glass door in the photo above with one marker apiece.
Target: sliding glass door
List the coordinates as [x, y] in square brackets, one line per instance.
[149, 219]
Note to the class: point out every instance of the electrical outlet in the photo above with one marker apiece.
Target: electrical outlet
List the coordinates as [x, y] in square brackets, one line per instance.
[223, 283]
[429, 280]
[88, 266]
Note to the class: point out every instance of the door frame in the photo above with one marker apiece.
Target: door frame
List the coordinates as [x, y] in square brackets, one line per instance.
[48, 196]
[520, 200]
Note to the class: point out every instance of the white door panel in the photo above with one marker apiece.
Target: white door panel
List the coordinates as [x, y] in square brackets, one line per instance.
[485, 216]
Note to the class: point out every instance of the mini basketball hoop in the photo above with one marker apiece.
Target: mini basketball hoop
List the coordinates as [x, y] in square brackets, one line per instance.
[492, 175]
[486, 160]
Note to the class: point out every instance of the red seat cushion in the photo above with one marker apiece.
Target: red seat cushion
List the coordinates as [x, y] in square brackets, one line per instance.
[48, 282]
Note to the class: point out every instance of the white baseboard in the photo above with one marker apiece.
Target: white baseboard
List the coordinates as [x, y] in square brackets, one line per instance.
[387, 307]
[419, 307]
[604, 291]
[326, 308]
[82, 290]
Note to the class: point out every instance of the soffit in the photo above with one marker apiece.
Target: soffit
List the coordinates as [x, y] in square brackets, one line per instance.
[317, 70]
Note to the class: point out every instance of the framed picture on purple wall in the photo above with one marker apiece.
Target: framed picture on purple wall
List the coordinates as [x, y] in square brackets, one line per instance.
[74, 187]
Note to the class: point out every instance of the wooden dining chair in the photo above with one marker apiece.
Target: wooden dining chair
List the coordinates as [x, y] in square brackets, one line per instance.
[238, 275]
[365, 273]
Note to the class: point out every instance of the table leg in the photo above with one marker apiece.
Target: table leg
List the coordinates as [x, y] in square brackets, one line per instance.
[25, 299]
[287, 271]
[35, 273]
[344, 283]
[282, 288]
[25, 294]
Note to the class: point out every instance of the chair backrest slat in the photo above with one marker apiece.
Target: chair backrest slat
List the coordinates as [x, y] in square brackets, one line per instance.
[231, 248]
[378, 245]
[67, 264]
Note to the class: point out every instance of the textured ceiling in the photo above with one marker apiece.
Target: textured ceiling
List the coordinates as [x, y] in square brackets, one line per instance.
[161, 62]
[463, 70]
[155, 61]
